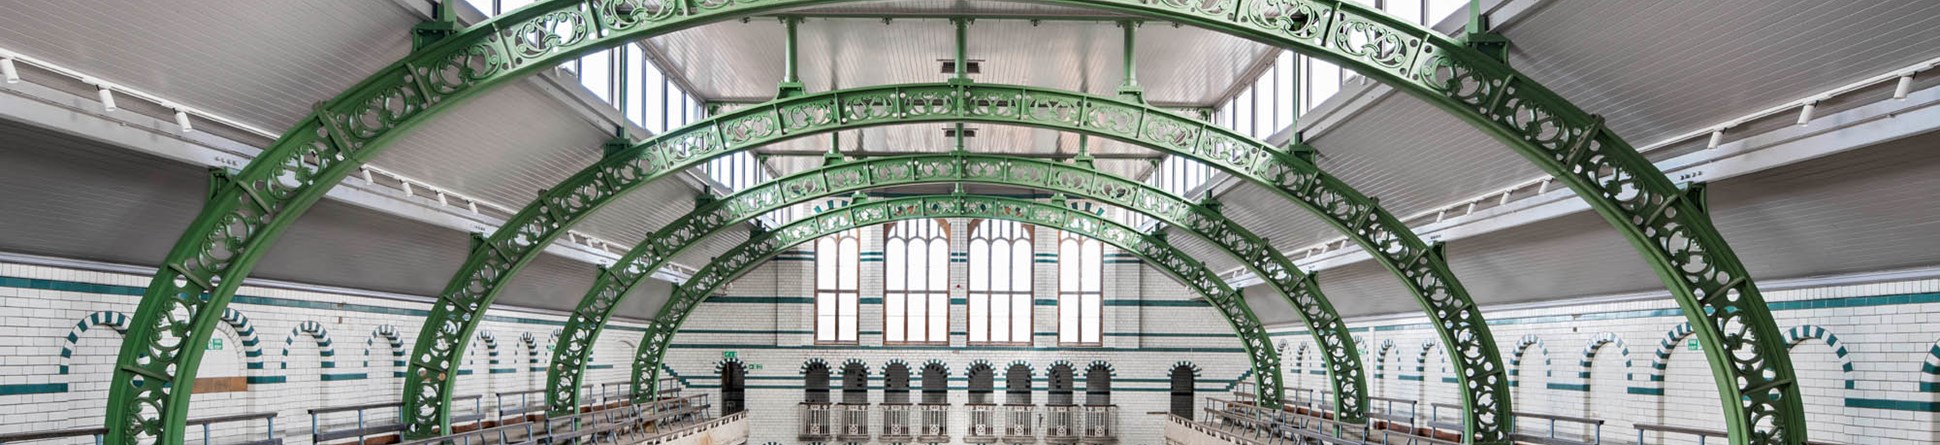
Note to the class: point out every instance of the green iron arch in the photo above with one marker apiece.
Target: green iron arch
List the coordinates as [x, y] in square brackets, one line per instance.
[149, 394]
[1298, 289]
[1418, 265]
[764, 245]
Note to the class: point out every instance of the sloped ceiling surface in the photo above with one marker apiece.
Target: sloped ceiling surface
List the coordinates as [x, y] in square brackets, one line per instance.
[264, 63]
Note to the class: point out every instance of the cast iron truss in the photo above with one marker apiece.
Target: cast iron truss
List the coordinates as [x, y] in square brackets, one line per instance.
[869, 212]
[612, 286]
[1417, 265]
[246, 213]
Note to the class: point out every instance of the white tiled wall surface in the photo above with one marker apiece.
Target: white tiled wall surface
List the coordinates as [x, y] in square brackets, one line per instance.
[1150, 328]
[38, 321]
[1887, 343]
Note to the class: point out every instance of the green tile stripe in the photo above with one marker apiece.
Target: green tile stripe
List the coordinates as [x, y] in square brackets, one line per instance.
[32, 388]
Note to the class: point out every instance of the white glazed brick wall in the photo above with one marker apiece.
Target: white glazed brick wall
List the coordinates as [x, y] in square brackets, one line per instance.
[775, 348]
[39, 320]
[1887, 344]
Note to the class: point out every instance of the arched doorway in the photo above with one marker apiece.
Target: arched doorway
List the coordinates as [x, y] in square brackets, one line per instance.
[1183, 379]
[734, 388]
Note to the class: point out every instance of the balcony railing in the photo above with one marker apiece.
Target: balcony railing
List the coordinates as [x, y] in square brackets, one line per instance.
[854, 420]
[817, 422]
[983, 424]
[1100, 424]
[1020, 424]
[896, 424]
[1061, 424]
[935, 423]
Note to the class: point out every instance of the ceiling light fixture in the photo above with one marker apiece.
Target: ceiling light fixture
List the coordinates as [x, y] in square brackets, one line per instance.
[107, 97]
[182, 120]
[949, 66]
[7, 69]
[950, 132]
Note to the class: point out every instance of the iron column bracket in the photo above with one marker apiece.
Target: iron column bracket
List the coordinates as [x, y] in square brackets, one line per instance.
[219, 178]
[1300, 149]
[1489, 43]
[619, 143]
[477, 240]
[1479, 37]
[1084, 157]
[1212, 204]
[1130, 91]
[443, 23]
[791, 81]
[1698, 194]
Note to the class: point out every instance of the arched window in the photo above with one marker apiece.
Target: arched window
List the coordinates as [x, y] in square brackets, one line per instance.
[1000, 282]
[1017, 385]
[982, 384]
[815, 380]
[1060, 375]
[895, 384]
[734, 388]
[838, 264]
[1081, 290]
[936, 384]
[1182, 383]
[1098, 385]
[916, 282]
[855, 384]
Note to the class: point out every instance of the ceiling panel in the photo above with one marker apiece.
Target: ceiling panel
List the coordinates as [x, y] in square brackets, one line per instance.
[1865, 210]
[1284, 224]
[1656, 69]
[69, 197]
[1860, 211]
[1415, 157]
[502, 147]
[264, 63]
[1365, 288]
[340, 244]
[743, 61]
[551, 282]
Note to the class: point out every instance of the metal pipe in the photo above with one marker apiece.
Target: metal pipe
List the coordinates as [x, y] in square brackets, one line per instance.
[963, 43]
[789, 62]
[1131, 39]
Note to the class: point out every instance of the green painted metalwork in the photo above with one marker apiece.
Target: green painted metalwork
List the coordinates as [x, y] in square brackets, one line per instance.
[495, 260]
[583, 329]
[150, 391]
[762, 246]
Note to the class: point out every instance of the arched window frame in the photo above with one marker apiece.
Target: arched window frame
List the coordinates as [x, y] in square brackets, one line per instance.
[916, 282]
[838, 287]
[1001, 281]
[1081, 295]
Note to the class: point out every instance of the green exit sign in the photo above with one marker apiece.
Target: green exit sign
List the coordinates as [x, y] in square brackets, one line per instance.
[1693, 345]
[729, 354]
[215, 344]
